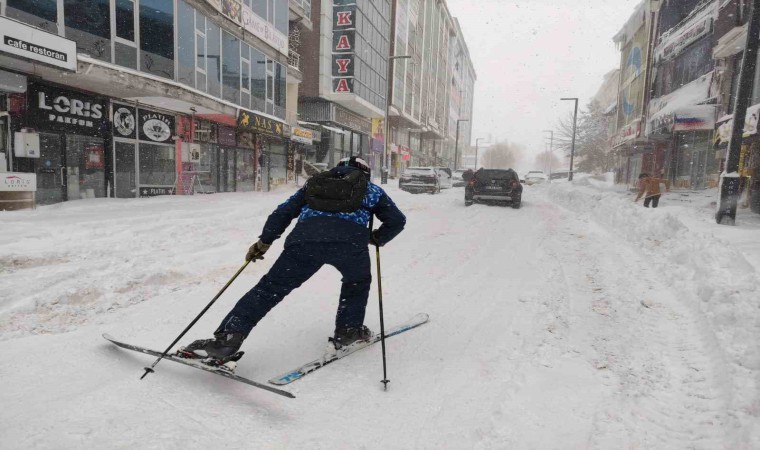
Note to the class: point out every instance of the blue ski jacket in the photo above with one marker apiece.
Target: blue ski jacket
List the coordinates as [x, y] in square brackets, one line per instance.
[321, 226]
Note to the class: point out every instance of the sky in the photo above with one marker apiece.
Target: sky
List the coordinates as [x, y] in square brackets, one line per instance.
[530, 53]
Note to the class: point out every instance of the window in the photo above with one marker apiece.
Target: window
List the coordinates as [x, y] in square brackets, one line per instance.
[157, 166]
[200, 52]
[88, 22]
[260, 7]
[281, 16]
[279, 90]
[258, 80]
[31, 11]
[157, 37]
[125, 19]
[230, 68]
[245, 80]
[213, 59]
[186, 44]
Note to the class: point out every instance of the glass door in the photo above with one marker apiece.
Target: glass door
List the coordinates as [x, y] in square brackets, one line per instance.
[125, 173]
[51, 183]
[85, 167]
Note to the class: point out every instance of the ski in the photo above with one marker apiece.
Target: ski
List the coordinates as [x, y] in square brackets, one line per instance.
[300, 372]
[198, 365]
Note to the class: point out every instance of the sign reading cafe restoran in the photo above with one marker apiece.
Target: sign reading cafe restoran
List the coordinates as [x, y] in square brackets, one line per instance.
[32, 43]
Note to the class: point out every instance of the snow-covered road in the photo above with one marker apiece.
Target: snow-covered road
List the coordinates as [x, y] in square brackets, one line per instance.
[548, 329]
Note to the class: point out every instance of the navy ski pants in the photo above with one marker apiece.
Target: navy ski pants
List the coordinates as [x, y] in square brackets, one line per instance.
[296, 264]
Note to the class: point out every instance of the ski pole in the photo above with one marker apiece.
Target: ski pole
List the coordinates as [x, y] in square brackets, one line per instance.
[385, 380]
[150, 369]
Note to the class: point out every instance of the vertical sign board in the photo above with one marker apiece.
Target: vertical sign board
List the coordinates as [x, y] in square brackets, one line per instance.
[343, 46]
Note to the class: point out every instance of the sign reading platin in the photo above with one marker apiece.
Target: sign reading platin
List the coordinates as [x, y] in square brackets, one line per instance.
[260, 124]
[32, 43]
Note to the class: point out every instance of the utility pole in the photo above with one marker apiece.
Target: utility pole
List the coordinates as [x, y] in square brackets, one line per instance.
[730, 179]
[575, 123]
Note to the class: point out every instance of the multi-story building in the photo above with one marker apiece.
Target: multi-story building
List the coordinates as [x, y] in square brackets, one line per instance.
[628, 142]
[344, 61]
[433, 90]
[133, 98]
[681, 112]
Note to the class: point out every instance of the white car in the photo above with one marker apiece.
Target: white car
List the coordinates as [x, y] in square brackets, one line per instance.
[445, 177]
[535, 177]
[456, 177]
[420, 179]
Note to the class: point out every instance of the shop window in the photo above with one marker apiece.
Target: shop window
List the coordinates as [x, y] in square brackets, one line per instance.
[125, 182]
[157, 165]
[230, 68]
[186, 44]
[157, 37]
[38, 13]
[260, 7]
[213, 59]
[244, 172]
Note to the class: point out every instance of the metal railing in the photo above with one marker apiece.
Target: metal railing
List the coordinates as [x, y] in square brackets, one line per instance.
[294, 60]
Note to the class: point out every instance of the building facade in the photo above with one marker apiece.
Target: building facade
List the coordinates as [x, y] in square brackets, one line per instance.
[128, 98]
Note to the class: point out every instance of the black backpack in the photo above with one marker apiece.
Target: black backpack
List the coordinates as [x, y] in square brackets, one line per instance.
[336, 192]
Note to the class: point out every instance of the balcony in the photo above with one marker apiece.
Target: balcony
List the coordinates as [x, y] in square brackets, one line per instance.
[294, 60]
[300, 11]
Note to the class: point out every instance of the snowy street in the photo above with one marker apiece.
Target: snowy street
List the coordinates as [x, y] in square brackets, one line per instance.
[581, 320]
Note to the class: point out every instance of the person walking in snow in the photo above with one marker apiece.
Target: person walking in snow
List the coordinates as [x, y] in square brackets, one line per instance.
[649, 187]
[332, 229]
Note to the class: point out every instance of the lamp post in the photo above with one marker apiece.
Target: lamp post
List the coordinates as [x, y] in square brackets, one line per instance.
[456, 143]
[572, 147]
[388, 101]
[551, 150]
[477, 141]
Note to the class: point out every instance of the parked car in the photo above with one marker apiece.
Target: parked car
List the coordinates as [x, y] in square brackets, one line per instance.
[535, 177]
[456, 178]
[559, 175]
[445, 176]
[420, 179]
[494, 186]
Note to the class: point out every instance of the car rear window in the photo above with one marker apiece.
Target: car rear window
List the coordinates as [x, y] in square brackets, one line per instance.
[418, 171]
[495, 174]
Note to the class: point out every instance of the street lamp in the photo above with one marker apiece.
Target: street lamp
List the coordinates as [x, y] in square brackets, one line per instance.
[477, 141]
[386, 153]
[551, 150]
[572, 147]
[456, 143]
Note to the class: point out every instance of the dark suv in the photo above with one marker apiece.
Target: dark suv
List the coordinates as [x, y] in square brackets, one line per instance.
[493, 186]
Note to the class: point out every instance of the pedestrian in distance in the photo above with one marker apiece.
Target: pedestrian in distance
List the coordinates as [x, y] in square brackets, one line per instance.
[649, 188]
[334, 210]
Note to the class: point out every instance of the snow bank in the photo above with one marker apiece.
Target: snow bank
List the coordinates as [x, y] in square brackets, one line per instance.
[717, 281]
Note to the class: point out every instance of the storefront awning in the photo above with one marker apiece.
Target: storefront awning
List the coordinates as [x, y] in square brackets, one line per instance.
[683, 109]
[335, 130]
[723, 133]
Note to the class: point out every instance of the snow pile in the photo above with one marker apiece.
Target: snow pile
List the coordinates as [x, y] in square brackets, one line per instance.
[715, 278]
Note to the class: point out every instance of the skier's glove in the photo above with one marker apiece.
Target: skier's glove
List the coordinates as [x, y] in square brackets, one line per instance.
[373, 239]
[257, 251]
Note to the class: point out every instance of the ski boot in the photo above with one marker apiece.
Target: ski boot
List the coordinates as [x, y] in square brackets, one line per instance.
[220, 352]
[347, 337]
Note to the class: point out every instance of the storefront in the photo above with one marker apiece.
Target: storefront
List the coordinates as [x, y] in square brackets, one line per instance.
[144, 152]
[266, 138]
[61, 137]
[303, 147]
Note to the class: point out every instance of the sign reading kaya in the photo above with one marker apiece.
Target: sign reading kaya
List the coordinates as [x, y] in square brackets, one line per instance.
[344, 40]
[32, 43]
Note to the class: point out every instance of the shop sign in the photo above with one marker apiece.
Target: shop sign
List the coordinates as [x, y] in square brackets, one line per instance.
[628, 133]
[378, 135]
[673, 43]
[251, 22]
[153, 191]
[32, 43]
[343, 45]
[155, 126]
[18, 182]
[56, 109]
[353, 121]
[259, 124]
[205, 131]
[124, 122]
[305, 136]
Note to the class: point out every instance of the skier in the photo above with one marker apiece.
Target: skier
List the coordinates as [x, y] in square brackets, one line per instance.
[320, 237]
